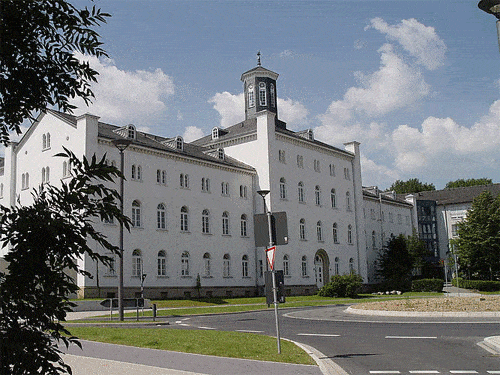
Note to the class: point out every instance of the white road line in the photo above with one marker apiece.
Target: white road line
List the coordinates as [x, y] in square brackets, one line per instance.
[411, 337]
[184, 324]
[248, 331]
[384, 372]
[424, 372]
[493, 372]
[317, 334]
[463, 372]
[205, 327]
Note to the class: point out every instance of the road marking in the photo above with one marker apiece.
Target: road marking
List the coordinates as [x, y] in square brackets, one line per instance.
[463, 372]
[318, 334]
[493, 372]
[424, 372]
[205, 327]
[385, 372]
[411, 337]
[248, 331]
[184, 324]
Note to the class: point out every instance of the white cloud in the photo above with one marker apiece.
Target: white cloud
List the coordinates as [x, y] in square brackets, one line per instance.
[192, 133]
[120, 96]
[418, 40]
[376, 174]
[231, 109]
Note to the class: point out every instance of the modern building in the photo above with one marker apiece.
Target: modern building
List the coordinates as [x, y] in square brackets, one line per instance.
[192, 204]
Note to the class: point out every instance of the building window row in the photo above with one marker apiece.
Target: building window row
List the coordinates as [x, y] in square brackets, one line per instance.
[317, 194]
[319, 232]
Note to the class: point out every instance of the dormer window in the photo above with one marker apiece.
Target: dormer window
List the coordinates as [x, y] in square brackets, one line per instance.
[215, 133]
[179, 143]
[310, 135]
[251, 97]
[131, 131]
[262, 94]
[220, 153]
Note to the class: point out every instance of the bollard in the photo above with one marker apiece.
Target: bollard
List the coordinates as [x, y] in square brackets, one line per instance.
[154, 312]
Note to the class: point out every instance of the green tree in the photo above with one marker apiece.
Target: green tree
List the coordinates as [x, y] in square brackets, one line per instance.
[478, 242]
[395, 264]
[413, 185]
[45, 241]
[38, 67]
[469, 182]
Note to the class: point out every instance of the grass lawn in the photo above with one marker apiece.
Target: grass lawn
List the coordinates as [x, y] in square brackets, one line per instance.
[217, 343]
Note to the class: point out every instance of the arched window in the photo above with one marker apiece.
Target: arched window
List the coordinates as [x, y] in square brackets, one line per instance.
[349, 234]
[225, 223]
[136, 263]
[226, 272]
[48, 140]
[319, 231]
[335, 233]
[44, 142]
[332, 169]
[374, 240]
[27, 180]
[162, 263]
[131, 131]
[185, 264]
[300, 188]
[205, 221]
[133, 174]
[158, 176]
[273, 95]
[351, 265]
[243, 225]
[262, 94]
[333, 198]
[184, 219]
[161, 216]
[337, 261]
[244, 266]
[179, 143]
[186, 181]
[251, 96]
[139, 172]
[163, 177]
[317, 194]
[302, 229]
[43, 175]
[47, 174]
[348, 201]
[220, 153]
[304, 266]
[286, 265]
[136, 214]
[66, 169]
[282, 188]
[206, 264]
[215, 133]
[224, 188]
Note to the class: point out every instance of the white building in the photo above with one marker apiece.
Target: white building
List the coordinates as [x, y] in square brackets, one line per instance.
[192, 204]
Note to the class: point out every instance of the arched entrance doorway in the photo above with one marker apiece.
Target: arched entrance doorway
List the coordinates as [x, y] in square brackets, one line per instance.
[321, 268]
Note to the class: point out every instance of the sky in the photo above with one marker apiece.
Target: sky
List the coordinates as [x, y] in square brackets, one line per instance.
[417, 83]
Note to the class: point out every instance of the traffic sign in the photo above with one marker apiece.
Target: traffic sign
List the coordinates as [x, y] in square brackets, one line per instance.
[270, 256]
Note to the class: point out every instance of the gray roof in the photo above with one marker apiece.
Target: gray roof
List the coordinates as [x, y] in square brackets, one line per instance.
[385, 197]
[147, 140]
[249, 126]
[457, 195]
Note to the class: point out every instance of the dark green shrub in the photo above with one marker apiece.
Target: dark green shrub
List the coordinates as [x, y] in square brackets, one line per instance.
[482, 285]
[427, 285]
[342, 286]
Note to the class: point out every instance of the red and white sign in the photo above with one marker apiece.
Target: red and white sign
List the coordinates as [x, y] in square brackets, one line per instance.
[270, 256]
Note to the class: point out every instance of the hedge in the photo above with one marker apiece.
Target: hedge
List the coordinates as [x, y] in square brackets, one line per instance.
[482, 285]
[342, 286]
[427, 285]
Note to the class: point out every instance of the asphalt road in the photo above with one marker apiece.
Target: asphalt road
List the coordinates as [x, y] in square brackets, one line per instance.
[373, 345]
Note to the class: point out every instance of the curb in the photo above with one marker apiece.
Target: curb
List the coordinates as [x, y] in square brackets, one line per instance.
[326, 365]
[421, 314]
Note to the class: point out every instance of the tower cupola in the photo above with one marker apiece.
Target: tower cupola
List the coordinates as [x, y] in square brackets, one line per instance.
[259, 86]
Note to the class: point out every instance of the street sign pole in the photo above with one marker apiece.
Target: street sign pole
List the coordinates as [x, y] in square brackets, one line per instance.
[275, 291]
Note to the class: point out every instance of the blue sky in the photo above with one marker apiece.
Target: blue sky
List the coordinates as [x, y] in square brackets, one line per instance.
[416, 82]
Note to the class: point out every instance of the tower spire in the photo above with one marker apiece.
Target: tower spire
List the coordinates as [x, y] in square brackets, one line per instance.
[258, 59]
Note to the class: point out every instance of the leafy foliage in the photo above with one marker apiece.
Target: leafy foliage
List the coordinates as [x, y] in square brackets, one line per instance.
[38, 67]
[395, 264]
[481, 285]
[46, 239]
[342, 286]
[478, 242]
[469, 182]
[427, 285]
[413, 185]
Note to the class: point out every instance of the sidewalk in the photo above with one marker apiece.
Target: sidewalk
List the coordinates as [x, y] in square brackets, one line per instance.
[453, 291]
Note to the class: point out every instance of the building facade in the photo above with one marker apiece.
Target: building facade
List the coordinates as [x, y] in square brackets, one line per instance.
[192, 204]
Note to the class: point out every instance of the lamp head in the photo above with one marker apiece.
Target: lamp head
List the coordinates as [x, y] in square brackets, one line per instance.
[490, 6]
[121, 143]
[262, 193]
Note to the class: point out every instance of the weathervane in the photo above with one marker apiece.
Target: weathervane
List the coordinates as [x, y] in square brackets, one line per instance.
[258, 58]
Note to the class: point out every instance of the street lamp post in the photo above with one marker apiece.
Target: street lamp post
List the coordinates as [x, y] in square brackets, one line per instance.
[492, 7]
[263, 194]
[121, 145]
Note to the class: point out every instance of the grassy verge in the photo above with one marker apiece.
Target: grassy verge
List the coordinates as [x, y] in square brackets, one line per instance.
[217, 343]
